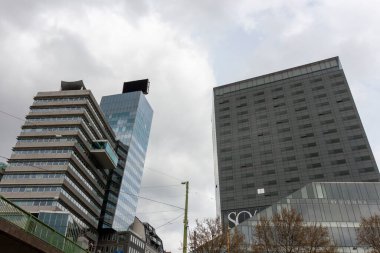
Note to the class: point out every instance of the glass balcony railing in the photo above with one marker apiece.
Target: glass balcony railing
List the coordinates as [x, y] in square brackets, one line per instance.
[99, 146]
[35, 227]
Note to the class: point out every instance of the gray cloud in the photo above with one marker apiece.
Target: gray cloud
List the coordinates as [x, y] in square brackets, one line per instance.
[185, 48]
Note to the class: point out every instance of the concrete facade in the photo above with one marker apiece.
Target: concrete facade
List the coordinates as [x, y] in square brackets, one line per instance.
[62, 161]
[275, 133]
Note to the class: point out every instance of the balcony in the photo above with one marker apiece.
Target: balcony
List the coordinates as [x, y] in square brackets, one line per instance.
[104, 154]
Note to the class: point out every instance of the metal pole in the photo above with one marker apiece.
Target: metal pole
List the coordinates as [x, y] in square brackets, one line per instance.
[185, 221]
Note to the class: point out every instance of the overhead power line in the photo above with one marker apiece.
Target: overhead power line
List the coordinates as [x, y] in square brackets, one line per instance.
[169, 222]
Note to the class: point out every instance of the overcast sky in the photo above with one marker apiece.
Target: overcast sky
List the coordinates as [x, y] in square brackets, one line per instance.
[185, 48]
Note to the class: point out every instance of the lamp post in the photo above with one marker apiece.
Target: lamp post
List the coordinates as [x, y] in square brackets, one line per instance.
[185, 221]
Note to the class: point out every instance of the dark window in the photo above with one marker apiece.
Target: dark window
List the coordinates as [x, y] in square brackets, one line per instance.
[308, 145]
[292, 180]
[330, 131]
[240, 98]
[242, 113]
[349, 117]
[281, 113]
[341, 173]
[304, 126]
[343, 100]
[307, 135]
[324, 113]
[264, 116]
[226, 168]
[246, 165]
[268, 172]
[259, 93]
[355, 137]
[265, 162]
[277, 97]
[310, 155]
[264, 142]
[241, 105]
[245, 146]
[223, 102]
[340, 91]
[224, 150]
[314, 165]
[243, 156]
[277, 89]
[362, 158]
[346, 108]
[224, 109]
[243, 129]
[335, 151]
[352, 127]
[284, 130]
[224, 117]
[278, 105]
[317, 176]
[331, 141]
[225, 132]
[320, 96]
[271, 194]
[288, 158]
[322, 104]
[227, 178]
[271, 182]
[266, 152]
[289, 138]
[359, 147]
[303, 117]
[242, 120]
[367, 169]
[300, 109]
[289, 148]
[225, 124]
[264, 125]
[336, 75]
[298, 92]
[316, 80]
[250, 185]
[325, 122]
[259, 101]
[282, 121]
[337, 162]
[228, 158]
[318, 88]
[299, 100]
[289, 169]
[260, 109]
[296, 85]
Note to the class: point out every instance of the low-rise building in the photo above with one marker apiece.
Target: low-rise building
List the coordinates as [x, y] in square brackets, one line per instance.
[337, 206]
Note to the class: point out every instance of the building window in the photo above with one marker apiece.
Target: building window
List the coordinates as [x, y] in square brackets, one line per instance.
[260, 191]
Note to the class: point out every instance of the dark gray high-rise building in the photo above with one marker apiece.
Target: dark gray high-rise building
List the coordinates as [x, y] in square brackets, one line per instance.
[275, 133]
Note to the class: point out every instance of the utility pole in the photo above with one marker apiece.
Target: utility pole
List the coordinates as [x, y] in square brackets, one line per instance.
[185, 221]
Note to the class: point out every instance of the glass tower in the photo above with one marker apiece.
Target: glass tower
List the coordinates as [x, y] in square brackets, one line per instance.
[130, 116]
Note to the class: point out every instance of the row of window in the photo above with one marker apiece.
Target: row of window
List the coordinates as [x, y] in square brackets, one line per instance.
[63, 139]
[295, 101]
[44, 151]
[65, 99]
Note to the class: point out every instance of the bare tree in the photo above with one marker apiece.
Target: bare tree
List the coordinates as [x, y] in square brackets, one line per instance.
[369, 232]
[209, 236]
[286, 232]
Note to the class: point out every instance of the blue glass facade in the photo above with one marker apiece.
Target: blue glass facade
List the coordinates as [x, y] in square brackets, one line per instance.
[130, 117]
